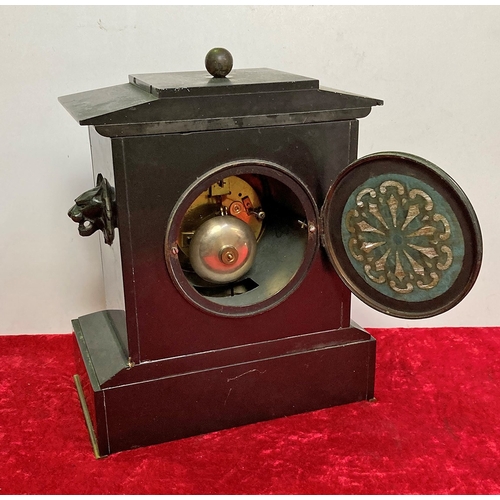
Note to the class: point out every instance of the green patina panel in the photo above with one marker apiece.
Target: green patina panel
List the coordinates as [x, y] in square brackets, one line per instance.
[403, 238]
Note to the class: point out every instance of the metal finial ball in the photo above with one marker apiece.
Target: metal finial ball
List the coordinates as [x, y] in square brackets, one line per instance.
[219, 62]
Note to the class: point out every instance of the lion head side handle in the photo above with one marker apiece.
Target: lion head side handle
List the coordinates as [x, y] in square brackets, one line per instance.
[96, 209]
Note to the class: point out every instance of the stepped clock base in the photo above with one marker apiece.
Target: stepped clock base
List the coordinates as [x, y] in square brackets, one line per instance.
[131, 406]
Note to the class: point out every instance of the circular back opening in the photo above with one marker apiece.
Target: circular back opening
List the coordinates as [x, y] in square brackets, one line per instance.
[241, 239]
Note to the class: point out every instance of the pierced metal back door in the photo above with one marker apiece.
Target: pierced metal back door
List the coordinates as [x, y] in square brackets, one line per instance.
[402, 235]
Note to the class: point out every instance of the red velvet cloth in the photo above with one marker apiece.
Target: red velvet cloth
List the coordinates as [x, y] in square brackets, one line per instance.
[434, 429]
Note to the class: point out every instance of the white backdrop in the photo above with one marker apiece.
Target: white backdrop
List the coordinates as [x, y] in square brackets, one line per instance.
[437, 69]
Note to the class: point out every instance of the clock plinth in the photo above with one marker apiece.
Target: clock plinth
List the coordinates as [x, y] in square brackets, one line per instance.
[219, 390]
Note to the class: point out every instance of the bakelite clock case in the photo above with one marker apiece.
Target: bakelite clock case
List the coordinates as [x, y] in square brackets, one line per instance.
[236, 221]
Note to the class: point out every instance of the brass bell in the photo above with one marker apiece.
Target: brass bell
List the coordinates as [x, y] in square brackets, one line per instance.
[222, 249]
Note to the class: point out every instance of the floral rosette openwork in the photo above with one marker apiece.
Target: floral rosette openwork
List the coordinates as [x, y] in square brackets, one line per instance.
[407, 241]
[401, 240]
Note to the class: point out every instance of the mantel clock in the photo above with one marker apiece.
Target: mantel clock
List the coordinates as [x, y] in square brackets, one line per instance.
[236, 222]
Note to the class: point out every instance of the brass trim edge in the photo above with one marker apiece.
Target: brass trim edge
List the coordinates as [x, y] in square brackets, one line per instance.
[86, 414]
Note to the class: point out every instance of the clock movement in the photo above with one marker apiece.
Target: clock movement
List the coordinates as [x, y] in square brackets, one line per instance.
[236, 222]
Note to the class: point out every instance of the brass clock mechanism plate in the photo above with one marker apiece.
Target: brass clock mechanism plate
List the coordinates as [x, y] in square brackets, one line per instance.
[230, 196]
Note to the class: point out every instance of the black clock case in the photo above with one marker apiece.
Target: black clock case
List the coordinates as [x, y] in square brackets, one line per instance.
[155, 367]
